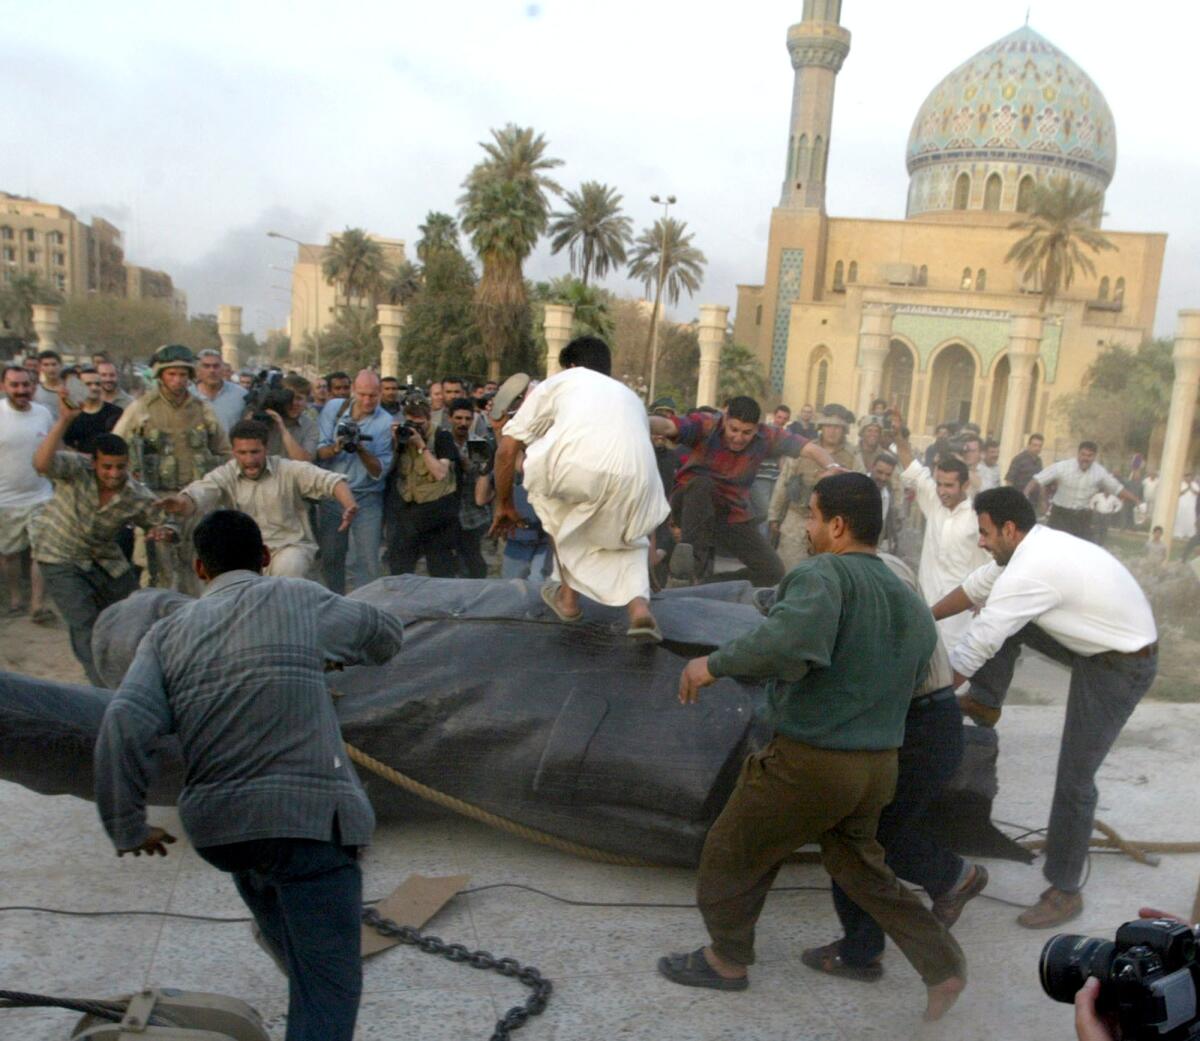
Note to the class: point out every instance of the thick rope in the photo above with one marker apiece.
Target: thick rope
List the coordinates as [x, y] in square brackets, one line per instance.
[477, 813]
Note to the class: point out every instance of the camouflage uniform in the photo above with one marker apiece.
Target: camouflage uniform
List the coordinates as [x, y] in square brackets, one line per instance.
[169, 447]
[789, 502]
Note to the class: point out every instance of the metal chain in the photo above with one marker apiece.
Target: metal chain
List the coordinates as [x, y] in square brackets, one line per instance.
[517, 1016]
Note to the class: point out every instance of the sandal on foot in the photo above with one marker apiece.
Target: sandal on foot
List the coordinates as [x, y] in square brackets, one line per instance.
[693, 970]
[550, 597]
[828, 959]
[43, 616]
[645, 633]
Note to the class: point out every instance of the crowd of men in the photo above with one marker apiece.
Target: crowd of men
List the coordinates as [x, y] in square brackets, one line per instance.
[897, 588]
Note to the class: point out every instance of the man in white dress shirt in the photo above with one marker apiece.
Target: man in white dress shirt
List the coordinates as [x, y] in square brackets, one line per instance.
[591, 477]
[1077, 480]
[951, 548]
[1077, 604]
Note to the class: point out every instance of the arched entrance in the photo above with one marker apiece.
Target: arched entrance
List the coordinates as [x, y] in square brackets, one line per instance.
[897, 378]
[951, 387]
[1000, 399]
[819, 366]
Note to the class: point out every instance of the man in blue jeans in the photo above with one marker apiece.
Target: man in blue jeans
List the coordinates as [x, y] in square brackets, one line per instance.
[364, 461]
[269, 794]
[1076, 603]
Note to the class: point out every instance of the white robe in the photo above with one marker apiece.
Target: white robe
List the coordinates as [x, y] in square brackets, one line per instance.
[1185, 512]
[592, 479]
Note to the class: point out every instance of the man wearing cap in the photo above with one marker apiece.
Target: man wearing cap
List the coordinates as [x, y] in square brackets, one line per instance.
[174, 438]
[789, 510]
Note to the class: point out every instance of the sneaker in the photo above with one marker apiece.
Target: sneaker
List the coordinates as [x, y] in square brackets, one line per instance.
[948, 906]
[1053, 908]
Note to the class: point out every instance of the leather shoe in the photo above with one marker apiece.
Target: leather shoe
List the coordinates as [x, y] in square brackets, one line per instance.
[948, 906]
[1054, 908]
[984, 715]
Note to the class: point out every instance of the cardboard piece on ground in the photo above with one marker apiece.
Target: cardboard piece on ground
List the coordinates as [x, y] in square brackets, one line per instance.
[414, 902]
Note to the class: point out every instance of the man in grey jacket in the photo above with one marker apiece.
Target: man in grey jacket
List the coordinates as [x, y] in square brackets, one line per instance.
[269, 794]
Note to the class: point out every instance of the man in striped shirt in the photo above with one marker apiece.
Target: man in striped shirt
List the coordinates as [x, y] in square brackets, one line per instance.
[1077, 481]
[269, 794]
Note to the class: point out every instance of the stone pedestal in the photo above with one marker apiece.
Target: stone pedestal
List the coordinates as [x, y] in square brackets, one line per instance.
[45, 324]
[713, 321]
[1024, 345]
[557, 323]
[874, 338]
[229, 327]
[1179, 421]
[391, 321]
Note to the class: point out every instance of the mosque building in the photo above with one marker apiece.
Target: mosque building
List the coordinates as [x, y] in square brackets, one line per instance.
[925, 312]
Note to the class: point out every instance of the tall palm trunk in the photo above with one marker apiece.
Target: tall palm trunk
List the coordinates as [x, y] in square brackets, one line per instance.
[653, 325]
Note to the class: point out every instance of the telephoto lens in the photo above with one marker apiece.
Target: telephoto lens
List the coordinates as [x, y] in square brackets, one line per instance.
[1069, 959]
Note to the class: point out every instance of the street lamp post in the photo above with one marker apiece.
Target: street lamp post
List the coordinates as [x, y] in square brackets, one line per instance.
[316, 303]
[666, 203]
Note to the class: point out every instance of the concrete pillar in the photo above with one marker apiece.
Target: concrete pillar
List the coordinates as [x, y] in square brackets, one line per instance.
[1024, 346]
[1179, 421]
[45, 324]
[714, 319]
[391, 321]
[557, 323]
[229, 326]
[874, 338]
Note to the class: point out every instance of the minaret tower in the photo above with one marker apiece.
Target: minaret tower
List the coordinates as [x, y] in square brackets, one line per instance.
[818, 46]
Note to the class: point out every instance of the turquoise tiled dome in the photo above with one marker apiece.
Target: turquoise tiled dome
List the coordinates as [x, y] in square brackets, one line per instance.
[1019, 100]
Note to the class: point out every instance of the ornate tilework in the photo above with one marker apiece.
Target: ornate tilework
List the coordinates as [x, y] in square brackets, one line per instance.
[1019, 100]
[986, 331]
[791, 264]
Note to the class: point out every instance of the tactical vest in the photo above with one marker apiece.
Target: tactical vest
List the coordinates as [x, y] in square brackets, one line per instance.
[418, 484]
[171, 445]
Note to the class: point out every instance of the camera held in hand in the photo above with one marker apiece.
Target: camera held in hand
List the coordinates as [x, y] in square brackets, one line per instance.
[404, 433]
[350, 434]
[479, 452]
[1149, 977]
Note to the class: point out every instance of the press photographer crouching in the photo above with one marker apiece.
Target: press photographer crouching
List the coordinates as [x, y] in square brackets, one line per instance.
[356, 441]
[425, 522]
[1143, 985]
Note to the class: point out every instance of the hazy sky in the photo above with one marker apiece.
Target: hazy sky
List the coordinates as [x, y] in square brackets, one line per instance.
[196, 128]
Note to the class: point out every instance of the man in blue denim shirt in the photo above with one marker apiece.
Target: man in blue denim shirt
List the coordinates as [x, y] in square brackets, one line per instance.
[366, 469]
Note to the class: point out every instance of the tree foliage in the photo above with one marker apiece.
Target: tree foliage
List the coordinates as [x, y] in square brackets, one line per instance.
[1059, 228]
[17, 298]
[439, 333]
[593, 230]
[399, 283]
[592, 314]
[355, 263]
[352, 341]
[664, 260]
[440, 231]
[741, 373]
[505, 207]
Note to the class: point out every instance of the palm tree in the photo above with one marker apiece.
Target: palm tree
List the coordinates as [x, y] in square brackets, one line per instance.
[504, 211]
[352, 340]
[1061, 223]
[665, 259]
[741, 373]
[594, 228]
[399, 283]
[355, 263]
[592, 316]
[17, 298]
[440, 231]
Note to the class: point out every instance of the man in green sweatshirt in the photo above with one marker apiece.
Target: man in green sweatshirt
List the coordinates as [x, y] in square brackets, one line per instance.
[841, 652]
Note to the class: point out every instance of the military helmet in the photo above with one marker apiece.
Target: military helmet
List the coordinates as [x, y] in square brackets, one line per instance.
[173, 356]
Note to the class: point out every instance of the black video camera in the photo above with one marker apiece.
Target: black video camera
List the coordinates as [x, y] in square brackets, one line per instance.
[1149, 977]
[350, 434]
[404, 432]
[480, 455]
[267, 392]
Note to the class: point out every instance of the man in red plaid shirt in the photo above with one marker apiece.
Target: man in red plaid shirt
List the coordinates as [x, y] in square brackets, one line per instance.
[711, 498]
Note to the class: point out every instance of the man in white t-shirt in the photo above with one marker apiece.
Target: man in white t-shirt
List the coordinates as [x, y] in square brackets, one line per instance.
[23, 491]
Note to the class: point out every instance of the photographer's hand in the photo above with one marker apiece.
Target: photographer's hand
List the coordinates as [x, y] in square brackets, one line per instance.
[276, 418]
[1090, 1025]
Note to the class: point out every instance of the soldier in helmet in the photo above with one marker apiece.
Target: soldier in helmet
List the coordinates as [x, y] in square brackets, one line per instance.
[174, 438]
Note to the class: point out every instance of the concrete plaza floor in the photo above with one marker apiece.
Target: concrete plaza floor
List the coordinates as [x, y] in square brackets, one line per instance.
[53, 853]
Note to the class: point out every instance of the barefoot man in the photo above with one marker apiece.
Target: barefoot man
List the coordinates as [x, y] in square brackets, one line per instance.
[591, 478]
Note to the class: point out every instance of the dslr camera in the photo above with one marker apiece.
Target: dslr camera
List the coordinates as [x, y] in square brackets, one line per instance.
[350, 434]
[1148, 976]
[267, 392]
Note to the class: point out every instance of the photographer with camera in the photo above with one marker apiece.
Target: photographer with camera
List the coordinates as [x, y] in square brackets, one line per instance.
[294, 434]
[475, 458]
[356, 441]
[425, 522]
[272, 491]
[225, 398]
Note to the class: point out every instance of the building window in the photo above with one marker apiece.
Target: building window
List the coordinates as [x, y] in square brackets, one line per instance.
[6, 233]
[60, 282]
[839, 277]
[29, 234]
[1119, 291]
[852, 272]
[1025, 194]
[31, 256]
[758, 315]
[966, 279]
[60, 259]
[992, 191]
[962, 191]
[923, 276]
[980, 280]
[1102, 294]
[817, 173]
[10, 254]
